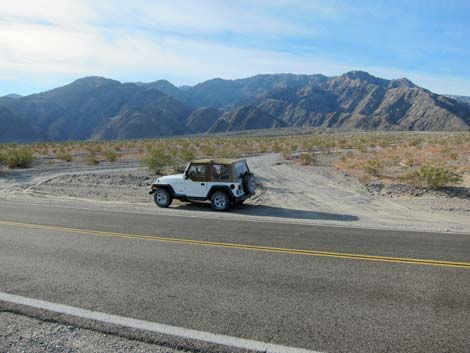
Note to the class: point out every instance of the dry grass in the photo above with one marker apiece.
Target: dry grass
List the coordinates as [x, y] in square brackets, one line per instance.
[406, 153]
[380, 155]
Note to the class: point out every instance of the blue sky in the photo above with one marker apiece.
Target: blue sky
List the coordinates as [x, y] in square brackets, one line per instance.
[46, 43]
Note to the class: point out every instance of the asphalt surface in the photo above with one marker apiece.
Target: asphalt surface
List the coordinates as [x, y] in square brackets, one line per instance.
[289, 297]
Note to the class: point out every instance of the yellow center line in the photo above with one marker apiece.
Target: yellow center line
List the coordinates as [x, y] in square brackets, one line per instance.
[338, 255]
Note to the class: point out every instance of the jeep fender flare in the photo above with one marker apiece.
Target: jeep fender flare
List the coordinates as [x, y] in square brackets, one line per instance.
[168, 187]
[224, 188]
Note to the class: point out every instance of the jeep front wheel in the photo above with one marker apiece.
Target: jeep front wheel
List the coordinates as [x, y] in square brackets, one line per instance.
[162, 198]
[220, 201]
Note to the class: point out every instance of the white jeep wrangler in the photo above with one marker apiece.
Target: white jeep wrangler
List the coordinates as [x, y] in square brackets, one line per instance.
[222, 181]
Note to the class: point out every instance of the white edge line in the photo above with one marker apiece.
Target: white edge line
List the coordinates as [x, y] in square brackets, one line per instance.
[208, 337]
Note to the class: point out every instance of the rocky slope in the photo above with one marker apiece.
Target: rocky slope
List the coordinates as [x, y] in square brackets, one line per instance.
[247, 117]
[462, 99]
[202, 119]
[357, 100]
[14, 129]
[89, 106]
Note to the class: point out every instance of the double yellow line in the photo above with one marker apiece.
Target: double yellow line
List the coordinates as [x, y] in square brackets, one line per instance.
[337, 255]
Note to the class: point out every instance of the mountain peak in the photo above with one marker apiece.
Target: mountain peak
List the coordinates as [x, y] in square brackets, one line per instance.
[365, 77]
[93, 81]
[159, 82]
[184, 87]
[164, 86]
[358, 75]
[12, 95]
[402, 82]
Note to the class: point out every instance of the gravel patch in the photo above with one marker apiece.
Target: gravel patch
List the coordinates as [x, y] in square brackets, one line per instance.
[112, 186]
[398, 190]
[19, 333]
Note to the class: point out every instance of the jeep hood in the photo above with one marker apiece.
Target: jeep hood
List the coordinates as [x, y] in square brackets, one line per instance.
[168, 179]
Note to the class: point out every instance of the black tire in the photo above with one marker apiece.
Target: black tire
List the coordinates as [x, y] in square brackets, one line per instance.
[249, 185]
[162, 198]
[220, 201]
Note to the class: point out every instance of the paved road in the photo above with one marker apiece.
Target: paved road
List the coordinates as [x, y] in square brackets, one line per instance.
[328, 289]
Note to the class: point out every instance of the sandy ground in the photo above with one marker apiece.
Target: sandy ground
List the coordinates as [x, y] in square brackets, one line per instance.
[19, 333]
[334, 195]
[288, 192]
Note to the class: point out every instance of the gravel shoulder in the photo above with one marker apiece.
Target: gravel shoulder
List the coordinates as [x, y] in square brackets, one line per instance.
[19, 333]
[287, 192]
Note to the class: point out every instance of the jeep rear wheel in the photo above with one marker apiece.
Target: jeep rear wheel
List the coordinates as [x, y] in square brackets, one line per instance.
[220, 201]
[249, 184]
[162, 198]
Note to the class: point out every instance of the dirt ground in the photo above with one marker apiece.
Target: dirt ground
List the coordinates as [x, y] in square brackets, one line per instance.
[287, 192]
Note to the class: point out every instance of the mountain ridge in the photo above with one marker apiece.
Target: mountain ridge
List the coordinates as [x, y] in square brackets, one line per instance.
[101, 108]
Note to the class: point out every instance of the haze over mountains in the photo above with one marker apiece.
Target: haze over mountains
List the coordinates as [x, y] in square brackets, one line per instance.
[100, 108]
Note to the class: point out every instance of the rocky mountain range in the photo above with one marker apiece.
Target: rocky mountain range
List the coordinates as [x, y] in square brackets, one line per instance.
[463, 99]
[100, 108]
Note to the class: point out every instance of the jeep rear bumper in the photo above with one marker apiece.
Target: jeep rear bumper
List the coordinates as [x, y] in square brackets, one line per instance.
[242, 197]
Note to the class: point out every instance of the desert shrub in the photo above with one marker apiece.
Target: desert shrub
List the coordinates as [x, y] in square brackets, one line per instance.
[344, 156]
[362, 148]
[18, 157]
[373, 167]
[223, 152]
[286, 154]
[306, 159]
[97, 148]
[110, 155]
[277, 147]
[118, 146]
[208, 150]
[432, 177]
[155, 159]
[442, 142]
[185, 144]
[91, 159]
[342, 143]
[415, 142]
[64, 156]
[306, 145]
